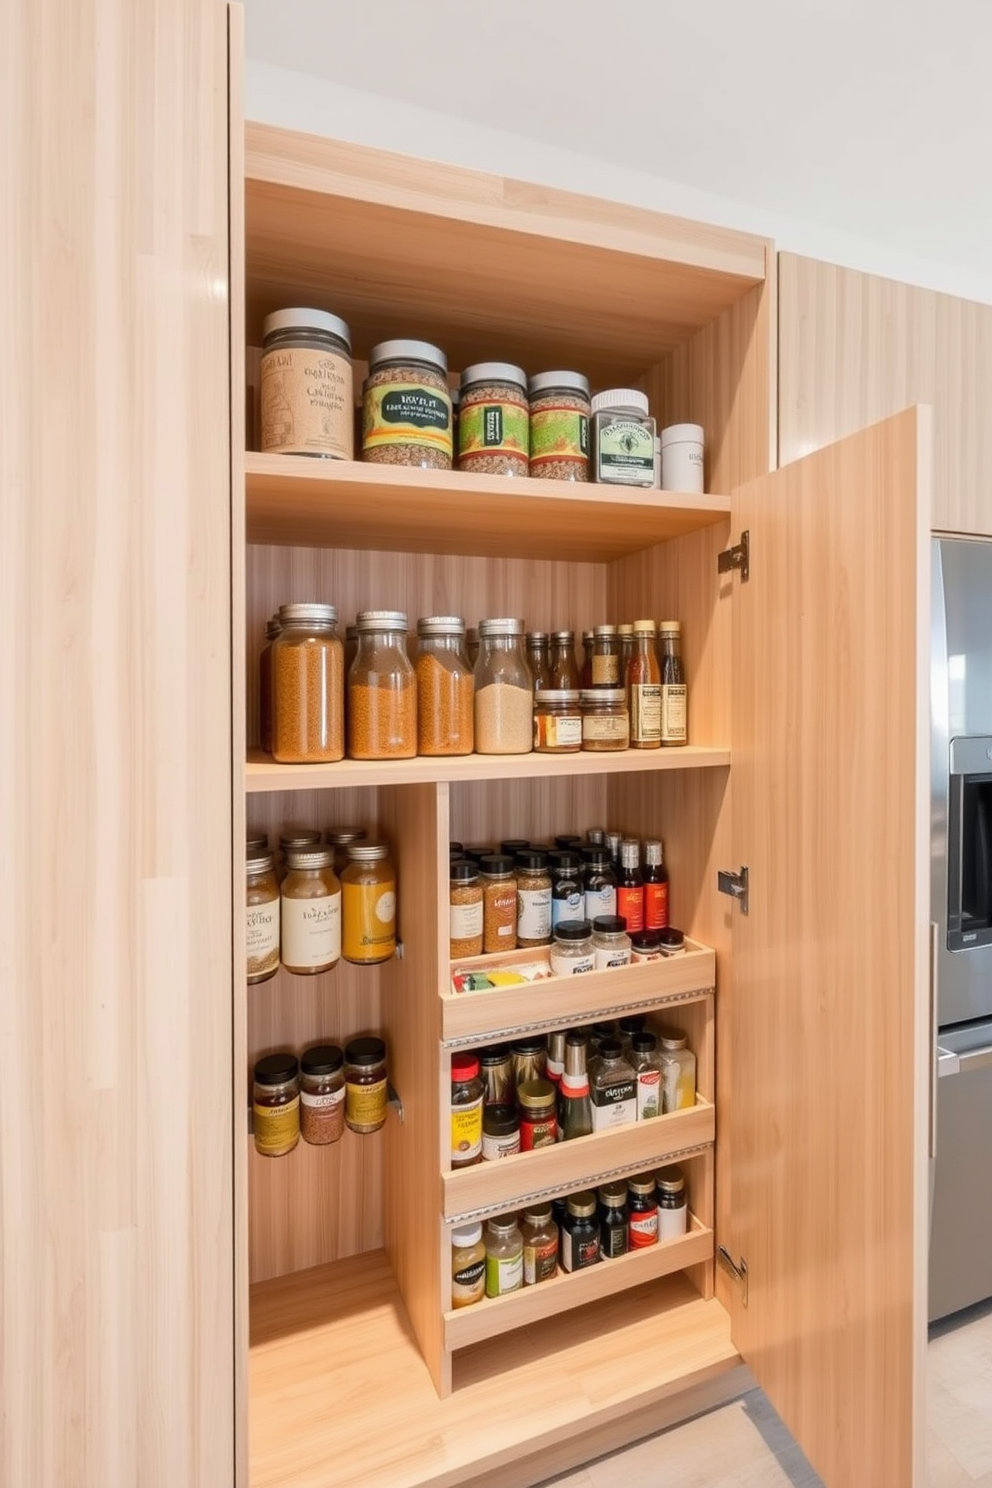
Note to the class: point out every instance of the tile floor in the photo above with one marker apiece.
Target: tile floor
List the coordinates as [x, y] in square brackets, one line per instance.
[745, 1445]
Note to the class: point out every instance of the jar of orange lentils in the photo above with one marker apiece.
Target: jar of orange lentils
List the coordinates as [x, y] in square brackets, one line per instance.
[382, 690]
[445, 688]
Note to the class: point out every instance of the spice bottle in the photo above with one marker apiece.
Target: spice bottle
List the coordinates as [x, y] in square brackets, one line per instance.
[671, 942]
[538, 1101]
[611, 942]
[533, 899]
[504, 697]
[496, 1068]
[645, 946]
[564, 672]
[529, 1059]
[554, 1066]
[310, 912]
[262, 919]
[580, 1232]
[601, 885]
[306, 387]
[499, 903]
[585, 666]
[574, 1105]
[572, 951]
[406, 407]
[445, 688]
[678, 1071]
[567, 893]
[540, 1240]
[276, 1105]
[606, 657]
[382, 690]
[559, 426]
[467, 1092]
[494, 420]
[630, 886]
[465, 910]
[500, 1132]
[673, 1206]
[557, 722]
[272, 629]
[622, 438]
[538, 658]
[322, 1094]
[307, 686]
[366, 1087]
[655, 886]
[368, 887]
[468, 1265]
[613, 1220]
[504, 1256]
[674, 693]
[644, 689]
[612, 1088]
[627, 1026]
[647, 1068]
[605, 719]
[642, 1211]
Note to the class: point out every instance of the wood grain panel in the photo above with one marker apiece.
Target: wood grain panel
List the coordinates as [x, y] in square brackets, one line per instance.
[856, 348]
[116, 1261]
[830, 1020]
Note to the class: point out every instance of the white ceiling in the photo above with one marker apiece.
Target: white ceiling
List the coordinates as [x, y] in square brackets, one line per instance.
[868, 117]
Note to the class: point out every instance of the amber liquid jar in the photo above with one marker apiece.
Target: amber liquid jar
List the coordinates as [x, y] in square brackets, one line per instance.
[307, 686]
[366, 1090]
[368, 886]
[276, 1105]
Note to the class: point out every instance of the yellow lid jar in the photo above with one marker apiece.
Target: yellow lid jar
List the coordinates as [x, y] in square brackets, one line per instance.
[368, 886]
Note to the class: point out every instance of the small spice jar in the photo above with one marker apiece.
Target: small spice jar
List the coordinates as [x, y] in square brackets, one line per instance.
[540, 1237]
[682, 458]
[605, 720]
[610, 941]
[500, 1132]
[538, 1101]
[306, 386]
[307, 686]
[494, 420]
[622, 438]
[499, 902]
[382, 690]
[605, 668]
[503, 690]
[496, 1067]
[601, 884]
[567, 890]
[645, 945]
[262, 922]
[466, 913]
[366, 1090]
[406, 407]
[368, 911]
[255, 843]
[580, 1232]
[530, 1057]
[340, 839]
[468, 1265]
[557, 722]
[322, 1095]
[671, 942]
[572, 951]
[504, 1256]
[310, 912]
[445, 688]
[467, 1093]
[642, 1211]
[294, 840]
[559, 426]
[613, 1238]
[275, 1104]
[272, 629]
[673, 1204]
[533, 899]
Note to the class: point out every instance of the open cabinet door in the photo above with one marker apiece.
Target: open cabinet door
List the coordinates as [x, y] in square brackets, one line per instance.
[830, 1017]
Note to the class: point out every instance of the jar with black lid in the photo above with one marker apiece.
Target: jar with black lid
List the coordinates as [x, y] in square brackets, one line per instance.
[572, 951]
[406, 407]
[496, 1066]
[500, 1132]
[499, 903]
[366, 1089]
[612, 1220]
[673, 1205]
[580, 1232]
[601, 884]
[305, 385]
[567, 893]
[322, 1094]
[642, 1211]
[466, 910]
[276, 1104]
[611, 941]
[533, 899]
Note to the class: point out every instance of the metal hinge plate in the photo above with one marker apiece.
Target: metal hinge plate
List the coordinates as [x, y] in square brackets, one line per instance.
[738, 1272]
[734, 884]
[739, 556]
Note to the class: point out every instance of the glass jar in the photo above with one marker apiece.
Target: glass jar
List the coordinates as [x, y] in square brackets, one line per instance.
[564, 672]
[644, 689]
[530, 1057]
[306, 386]
[538, 1102]
[307, 686]
[499, 903]
[272, 629]
[468, 1265]
[623, 434]
[262, 923]
[297, 839]
[655, 886]
[625, 634]
[310, 912]
[674, 693]
[406, 407]
[605, 720]
[382, 690]
[255, 843]
[647, 1068]
[500, 1132]
[533, 899]
[600, 884]
[540, 1238]
[504, 1256]
[494, 420]
[557, 722]
[275, 1102]
[678, 1071]
[366, 1087]
[445, 688]
[539, 659]
[496, 1065]
[322, 1095]
[368, 887]
[673, 1204]
[467, 1093]
[671, 942]
[580, 1232]
[466, 911]
[613, 1220]
[606, 657]
[630, 886]
[568, 900]
[612, 1088]
[559, 426]
[514, 845]
[610, 941]
[503, 690]
[572, 951]
[642, 1211]
[645, 945]
[340, 839]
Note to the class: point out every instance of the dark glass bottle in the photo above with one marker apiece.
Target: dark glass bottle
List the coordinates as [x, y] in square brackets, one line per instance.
[630, 886]
[567, 890]
[674, 693]
[574, 1106]
[613, 1220]
[564, 672]
[655, 887]
[585, 671]
[538, 658]
[600, 883]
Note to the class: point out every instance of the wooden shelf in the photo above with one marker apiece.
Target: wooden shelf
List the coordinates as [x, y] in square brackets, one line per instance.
[300, 502]
[263, 774]
[495, 1315]
[560, 1002]
[586, 1162]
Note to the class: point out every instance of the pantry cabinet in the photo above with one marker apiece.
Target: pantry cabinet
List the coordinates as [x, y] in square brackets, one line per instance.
[806, 768]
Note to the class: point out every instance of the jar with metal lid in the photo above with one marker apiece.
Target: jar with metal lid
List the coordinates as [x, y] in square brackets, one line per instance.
[466, 910]
[610, 941]
[533, 899]
[601, 884]
[500, 1132]
[647, 1067]
[645, 945]
[504, 1256]
[540, 1237]
[295, 839]
[642, 1211]
[568, 900]
[673, 1204]
[499, 902]
[322, 1094]
[306, 385]
[496, 1064]
[340, 839]
[557, 722]
[368, 887]
[310, 912]
[494, 420]
[255, 843]
[572, 951]
[605, 720]
[630, 886]
[539, 659]
[406, 407]
[468, 1265]
[272, 629]
[580, 1232]
[559, 425]
[613, 1220]
[530, 1055]
[445, 688]
[467, 1093]
[612, 1088]
[503, 690]
[307, 686]
[366, 1087]
[262, 923]
[564, 672]
[538, 1101]
[606, 657]
[382, 690]
[623, 434]
[275, 1105]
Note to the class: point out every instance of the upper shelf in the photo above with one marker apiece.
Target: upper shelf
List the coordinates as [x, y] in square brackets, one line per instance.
[342, 504]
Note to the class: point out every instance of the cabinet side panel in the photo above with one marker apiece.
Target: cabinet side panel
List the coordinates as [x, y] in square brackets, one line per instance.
[116, 1203]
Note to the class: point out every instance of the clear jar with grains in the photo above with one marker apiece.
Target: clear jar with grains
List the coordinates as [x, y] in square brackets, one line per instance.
[466, 910]
[307, 686]
[568, 900]
[533, 899]
[559, 426]
[272, 629]
[499, 902]
[368, 909]
[623, 433]
[573, 951]
[605, 720]
[503, 690]
[306, 387]
[366, 1087]
[557, 722]
[322, 1095]
[310, 912]
[382, 690]
[494, 420]
[262, 918]
[611, 941]
[445, 688]
[406, 407]
[275, 1103]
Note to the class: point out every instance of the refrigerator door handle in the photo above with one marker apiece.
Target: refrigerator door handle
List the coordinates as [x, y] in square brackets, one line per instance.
[963, 1064]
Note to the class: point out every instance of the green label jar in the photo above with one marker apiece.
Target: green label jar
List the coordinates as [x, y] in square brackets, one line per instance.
[559, 426]
[623, 438]
[494, 420]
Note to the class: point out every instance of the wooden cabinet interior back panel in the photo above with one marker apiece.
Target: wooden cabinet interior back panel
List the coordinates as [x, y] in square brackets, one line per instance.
[537, 810]
[855, 348]
[116, 1350]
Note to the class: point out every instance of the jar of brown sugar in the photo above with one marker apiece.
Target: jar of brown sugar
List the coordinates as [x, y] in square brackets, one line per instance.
[494, 420]
[466, 910]
[382, 690]
[499, 891]
[406, 408]
[307, 686]
[445, 688]
[322, 1094]
[306, 387]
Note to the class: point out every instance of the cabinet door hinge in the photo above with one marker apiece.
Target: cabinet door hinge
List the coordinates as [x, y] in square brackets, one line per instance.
[739, 556]
[734, 884]
[738, 1272]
